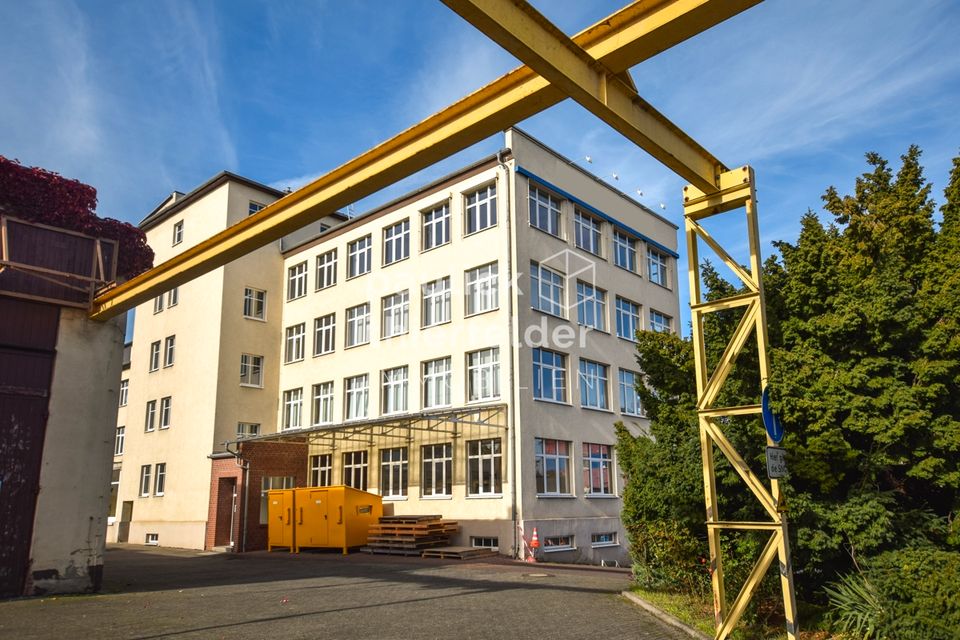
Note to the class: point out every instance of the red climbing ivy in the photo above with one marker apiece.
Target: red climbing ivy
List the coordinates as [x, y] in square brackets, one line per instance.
[38, 195]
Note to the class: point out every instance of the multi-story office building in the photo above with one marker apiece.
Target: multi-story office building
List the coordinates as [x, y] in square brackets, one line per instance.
[464, 350]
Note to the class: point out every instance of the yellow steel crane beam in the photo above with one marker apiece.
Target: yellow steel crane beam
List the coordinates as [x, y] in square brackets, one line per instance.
[624, 39]
[531, 38]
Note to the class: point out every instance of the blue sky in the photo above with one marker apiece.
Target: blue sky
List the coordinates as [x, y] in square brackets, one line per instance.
[141, 98]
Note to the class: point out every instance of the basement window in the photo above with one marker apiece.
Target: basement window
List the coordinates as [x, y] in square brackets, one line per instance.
[485, 542]
[152, 539]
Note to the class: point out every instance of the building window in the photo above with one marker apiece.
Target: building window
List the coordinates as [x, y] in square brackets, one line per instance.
[160, 478]
[145, 481]
[292, 408]
[484, 467]
[296, 337]
[358, 324]
[355, 469]
[552, 467]
[657, 266]
[166, 406]
[628, 319]
[660, 322]
[177, 233]
[624, 251]
[485, 542]
[251, 370]
[119, 441]
[321, 470]
[359, 255]
[297, 281]
[327, 269]
[396, 242]
[481, 289]
[591, 306]
[436, 383]
[323, 403]
[549, 375]
[154, 355]
[358, 392]
[546, 289]
[481, 209]
[324, 334]
[169, 345]
[483, 374]
[254, 303]
[436, 302]
[124, 392]
[593, 384]
[173, 297]
[597, 470]
[437, 473]
[248, 429]
[558, 543]
[114, 491]
[150, 421]
[629, 398]
[158, 304]
[544, 211]
[393, 472]
[396, 314]
[269, 483]
[586, 232]
[394, 394]
[605, 539]
[253, 207]
[436, 227]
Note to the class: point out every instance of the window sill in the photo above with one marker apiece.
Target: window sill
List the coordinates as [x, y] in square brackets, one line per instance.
[358, 275]
[473, 233]
[435, 324]
[545, 232]
[436, 246]
[554, 496]
[485, 496]
[264, 320]
[633, 415]
[631, 340]
[603, 545]
[598, 409]
[325, 353]
[251, 386]
[598, 256]
[628, 270]
[593, 328]
[436, 497]
[560, 403]
[482, 400]
[354, 346]
[329, 286]
[385, 264]
[480, 313]
[395, 335]
[556, 549]
[300, 297]
[601, 496]
[164, 428]
[549, 314]
[394, 498]
[662, 286]
[293, 361]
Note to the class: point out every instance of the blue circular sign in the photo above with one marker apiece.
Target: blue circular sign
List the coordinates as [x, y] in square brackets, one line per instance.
[771, 421]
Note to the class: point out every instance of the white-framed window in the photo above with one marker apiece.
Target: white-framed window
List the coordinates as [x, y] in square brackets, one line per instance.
[359, 255]
[114, 492]
[396, 314]
[552, 467]
[323, 403]
[248, 429]
[597, 469]
[591, 306]
[355, 469]
[324, 334]
[166, 408]
[253, 207]
[436, 383]
[268, 483]
[158, 304]
[357, 389]
[358, 325]
[177, 232]
[150, 419]
[485, 542]
[660, 322]
[483, 374]
[151, 539]
[321, 470]
[482, 284]
[484, 467]
[294, 346]
[297, 281]
[624, 251]
[393, 472]
[549, 375]
[657, 266]
[546, 289]
[436, 476]
[160, 478]
[544, 211]
[251, 370]
[145, 477]
[587, 232]
[169, 349]
[628, 319]
[436, 302]
[119, 441]
[393, 396]
[254, 303]
[293, 408]
[154, 355]
[173, 297]
[558, 543]
[629, 398]
[481, 209]
[604, 539]
[327, 269]
[396, 242]
[124, 392]
[436, 226]
[594, 384]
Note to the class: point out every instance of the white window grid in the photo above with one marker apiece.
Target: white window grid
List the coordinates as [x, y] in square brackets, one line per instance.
[481, 209]
[484, 467]
[485, 542]
[436, 227]
[357, 389]
[549, 375]
[436, 302]
[324, 334]
[321, 470]
[158, 304]
[323, 403]
[355, 469]
[154, 355]
[544, 211]
[396, 314]
[657, 266]
[393, 472]
[591, 306]
[248, 429]
[394, 392]
[546, 289]
[587, 232]
[173, 297]
[436, 383]
[629, 398]
[145, 481]
[293, 408]
[119, 441]
[552, 462]
[358, 325]
[254, 207]
[597, 469]
[254, 303]
[177, 233]
[124, 392]
[169, 348]
[295, 341]
[359, 254]
[628, 319]
[251, 370]
[150, 419]
[482, 289]
[266, 484]
[437, 472]
[483, 374]
[166, 407]
[160, 478]
[396, 242]
[624, 251]
[593, 384]
[558, 543]
[327, 269]
[604, 539]
[297, 281]
[660, 322]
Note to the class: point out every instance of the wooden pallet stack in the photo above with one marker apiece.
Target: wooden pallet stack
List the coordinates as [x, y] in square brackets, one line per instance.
[409, 535]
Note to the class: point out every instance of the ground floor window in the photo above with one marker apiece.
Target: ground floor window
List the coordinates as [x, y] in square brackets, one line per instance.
[485, 542]
[321, 470]
[437, 476]
[355, 469]
[484, 467]
[558, 543]
[606, 539]
[269, 483]
[393, 472]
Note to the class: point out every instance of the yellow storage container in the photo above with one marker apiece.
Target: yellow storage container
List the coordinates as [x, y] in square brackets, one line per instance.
[280, 528]
[337, 517]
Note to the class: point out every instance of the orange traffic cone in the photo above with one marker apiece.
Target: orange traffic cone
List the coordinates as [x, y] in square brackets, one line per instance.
[535, 540]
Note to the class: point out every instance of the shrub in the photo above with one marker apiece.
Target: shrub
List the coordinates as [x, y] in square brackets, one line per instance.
[666, 557]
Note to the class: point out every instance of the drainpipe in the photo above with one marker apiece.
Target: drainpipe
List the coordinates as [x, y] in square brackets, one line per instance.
[245, 465]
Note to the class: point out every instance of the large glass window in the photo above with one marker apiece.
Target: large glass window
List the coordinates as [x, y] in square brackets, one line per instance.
[254, 303]
[586, 232]
[293, 408]
[359, 256]
[357, 396]
[323, 403]
[552, 466]
[593, 384]
[436, 226]
[624, 251]
[296, 338]
[597, 469]
[358, 324]
[481, 209]
[546, 289]
[396, 314]
[324, 334]
[483, 374]
[355, 469]
[484, 467]
[628, 319]
[660, 322]
[394, 393]
[657, 266]
[591, 306]
[396, 242]
[321, 470]
[629, 398]
[251, 370]
[297, 281]
[481, 289]
[437, 474]
[549, 375]
[436, 383]
[393, 472]
[544, 211]
[436, 302]
[327, 269]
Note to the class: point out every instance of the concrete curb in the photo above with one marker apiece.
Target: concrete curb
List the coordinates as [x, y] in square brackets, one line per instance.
[663, 616]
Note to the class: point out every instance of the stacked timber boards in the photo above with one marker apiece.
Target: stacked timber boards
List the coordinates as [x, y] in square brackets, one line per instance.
[409, 535]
